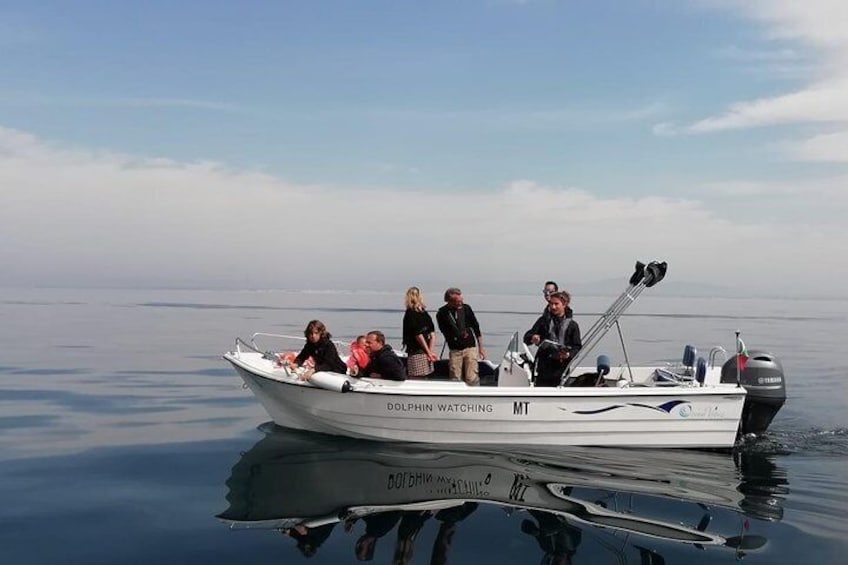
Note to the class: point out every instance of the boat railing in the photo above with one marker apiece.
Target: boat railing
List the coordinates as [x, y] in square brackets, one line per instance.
[254, 347]
[671, 376]
[240, 343]
[714, 353]
[299, 338]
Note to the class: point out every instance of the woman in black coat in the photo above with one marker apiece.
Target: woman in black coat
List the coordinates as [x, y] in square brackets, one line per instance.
[419, 335]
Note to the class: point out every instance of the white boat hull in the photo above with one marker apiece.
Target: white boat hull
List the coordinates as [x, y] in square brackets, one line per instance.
[453, 413]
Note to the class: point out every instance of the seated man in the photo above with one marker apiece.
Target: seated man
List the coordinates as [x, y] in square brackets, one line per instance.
[558, 338]
[383, 364]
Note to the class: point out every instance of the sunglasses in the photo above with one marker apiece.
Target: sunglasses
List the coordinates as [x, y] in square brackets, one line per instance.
[547, 292]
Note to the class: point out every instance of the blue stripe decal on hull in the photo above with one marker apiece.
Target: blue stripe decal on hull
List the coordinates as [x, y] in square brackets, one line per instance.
[600, 410]
[666, 407]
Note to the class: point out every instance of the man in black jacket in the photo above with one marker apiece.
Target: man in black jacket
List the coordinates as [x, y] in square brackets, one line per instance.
[550, 288]
[459, 325]
[384, 364]
[558, 338]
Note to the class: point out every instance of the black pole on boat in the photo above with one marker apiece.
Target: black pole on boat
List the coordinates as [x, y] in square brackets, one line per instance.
[738, 368]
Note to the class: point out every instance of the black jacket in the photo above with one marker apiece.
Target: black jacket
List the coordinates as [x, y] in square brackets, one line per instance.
[542, 327]
[384, 364]
[325, 354]
[414, 324]
[549, 364]
[460, 328]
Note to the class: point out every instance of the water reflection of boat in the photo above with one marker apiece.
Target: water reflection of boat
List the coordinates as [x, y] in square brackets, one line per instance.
[300, 480]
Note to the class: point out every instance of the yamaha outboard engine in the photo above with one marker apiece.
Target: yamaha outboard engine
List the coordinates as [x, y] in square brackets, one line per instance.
[766, 386]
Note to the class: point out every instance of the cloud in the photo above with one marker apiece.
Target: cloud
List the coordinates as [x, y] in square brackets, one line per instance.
[820, 23]
[544, 119]
[74, 217]
[736, 53]
[819, 30]
[31, 99]
[781, 63]
[824, 196]
[153, 102]
[826, 147]
[823, 103]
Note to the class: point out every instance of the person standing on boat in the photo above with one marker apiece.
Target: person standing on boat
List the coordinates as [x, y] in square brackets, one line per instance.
[558, 338]
[309, 539]
[376, 526]
[450, 518]
[321, 349]
[557, 538]
[463, 336]
[384, 363]
[550, 288]
[419, 335]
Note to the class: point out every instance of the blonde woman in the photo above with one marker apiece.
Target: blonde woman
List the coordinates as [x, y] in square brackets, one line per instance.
[419, 335]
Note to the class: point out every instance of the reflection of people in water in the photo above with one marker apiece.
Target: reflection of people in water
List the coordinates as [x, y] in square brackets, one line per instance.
[309, 539]
[444, 539]
[410, 525]
[376, 526]
[557, 538]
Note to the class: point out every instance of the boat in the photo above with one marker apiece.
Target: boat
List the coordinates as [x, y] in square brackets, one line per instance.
[291, 479]
[693, 404]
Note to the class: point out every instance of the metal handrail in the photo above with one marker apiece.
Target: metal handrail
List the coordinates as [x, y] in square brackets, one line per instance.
[714, 353]
[279, 336]
[240, 342]
[285, 336]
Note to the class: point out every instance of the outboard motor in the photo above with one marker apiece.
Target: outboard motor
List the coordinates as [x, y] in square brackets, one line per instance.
[763, 379]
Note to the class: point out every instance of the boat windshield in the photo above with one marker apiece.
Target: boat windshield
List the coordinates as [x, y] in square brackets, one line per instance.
[515, 345]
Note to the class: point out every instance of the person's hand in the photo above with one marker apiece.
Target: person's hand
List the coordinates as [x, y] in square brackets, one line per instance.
[535, 339]
[482, 352]
[304, 376]
[432, 357]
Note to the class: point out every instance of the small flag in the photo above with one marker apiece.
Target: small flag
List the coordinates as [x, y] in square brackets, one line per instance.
[741, 354]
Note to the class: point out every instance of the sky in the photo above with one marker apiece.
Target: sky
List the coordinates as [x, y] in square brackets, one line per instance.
[486, 144]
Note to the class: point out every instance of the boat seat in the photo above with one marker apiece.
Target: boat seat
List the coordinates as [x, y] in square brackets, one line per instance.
[690, 353]
[583, 380]
[441, 372]
[701, 370]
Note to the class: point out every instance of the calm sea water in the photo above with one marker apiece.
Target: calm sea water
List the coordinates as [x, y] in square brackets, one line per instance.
[125, 438]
